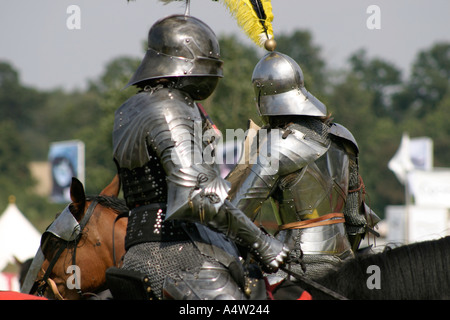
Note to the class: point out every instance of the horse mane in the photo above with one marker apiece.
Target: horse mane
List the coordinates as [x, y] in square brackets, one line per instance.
[409, 272]
[116, 204]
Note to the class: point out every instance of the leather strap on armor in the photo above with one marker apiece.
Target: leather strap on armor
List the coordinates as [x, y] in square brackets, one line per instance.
[331, 218]
[146, 224]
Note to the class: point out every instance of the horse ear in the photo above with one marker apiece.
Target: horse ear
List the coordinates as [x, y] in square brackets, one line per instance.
[113, 188]
[77, 192]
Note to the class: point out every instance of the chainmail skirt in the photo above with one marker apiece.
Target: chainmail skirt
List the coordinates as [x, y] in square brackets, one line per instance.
[161, 259]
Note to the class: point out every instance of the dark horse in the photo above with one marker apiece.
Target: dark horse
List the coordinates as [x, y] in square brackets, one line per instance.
[100, 245]
[418, 271]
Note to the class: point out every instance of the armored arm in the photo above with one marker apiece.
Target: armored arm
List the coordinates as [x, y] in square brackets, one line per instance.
[286, 151]
[359, 218]
[172, 126]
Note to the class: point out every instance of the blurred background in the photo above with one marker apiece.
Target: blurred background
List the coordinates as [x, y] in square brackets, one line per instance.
[383, 74]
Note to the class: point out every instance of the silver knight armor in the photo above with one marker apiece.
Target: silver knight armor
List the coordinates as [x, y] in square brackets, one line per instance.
[315, 192]
[180, 216]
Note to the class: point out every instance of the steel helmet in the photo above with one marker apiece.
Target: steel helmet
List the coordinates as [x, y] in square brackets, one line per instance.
[184, 47]
[280, 90]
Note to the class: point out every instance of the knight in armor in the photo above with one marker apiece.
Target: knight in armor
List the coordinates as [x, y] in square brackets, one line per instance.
[183, 232]
[316, 190]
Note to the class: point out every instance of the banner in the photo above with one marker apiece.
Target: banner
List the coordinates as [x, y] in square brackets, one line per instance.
[66, 160]
[416, 153]
[421, 153]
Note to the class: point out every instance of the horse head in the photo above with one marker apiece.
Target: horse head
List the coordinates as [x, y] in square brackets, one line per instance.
[82, 243]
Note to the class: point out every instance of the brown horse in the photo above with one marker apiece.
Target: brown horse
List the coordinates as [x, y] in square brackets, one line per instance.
[92, 252]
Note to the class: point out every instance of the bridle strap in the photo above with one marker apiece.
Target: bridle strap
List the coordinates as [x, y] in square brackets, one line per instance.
[39, 286]
[88, 214]
[314, 284]
[83, 223]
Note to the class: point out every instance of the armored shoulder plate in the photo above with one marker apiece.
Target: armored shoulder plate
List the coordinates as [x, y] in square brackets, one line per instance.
[280, 152]
[298, 145]
[145, 116]
[342, 132]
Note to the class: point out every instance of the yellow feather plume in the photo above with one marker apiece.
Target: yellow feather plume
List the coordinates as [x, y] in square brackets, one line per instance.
[254, 17]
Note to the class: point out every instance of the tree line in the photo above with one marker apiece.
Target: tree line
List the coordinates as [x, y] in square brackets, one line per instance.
[371, 97]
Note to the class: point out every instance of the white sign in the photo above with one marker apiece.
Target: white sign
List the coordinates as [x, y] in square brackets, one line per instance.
[396, 221]
[422, 223]
[430, 188]
[427, 223]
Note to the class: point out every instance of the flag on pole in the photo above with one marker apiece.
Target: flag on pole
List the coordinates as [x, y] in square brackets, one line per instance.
[413, 154]
[401, 163]
[421, 153]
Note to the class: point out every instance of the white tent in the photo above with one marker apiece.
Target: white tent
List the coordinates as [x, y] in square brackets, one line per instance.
[18, 237]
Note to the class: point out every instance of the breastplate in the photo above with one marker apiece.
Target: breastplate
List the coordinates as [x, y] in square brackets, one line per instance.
[316, 190]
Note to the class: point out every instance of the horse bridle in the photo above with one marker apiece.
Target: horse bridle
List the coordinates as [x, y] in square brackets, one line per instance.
[40, 286]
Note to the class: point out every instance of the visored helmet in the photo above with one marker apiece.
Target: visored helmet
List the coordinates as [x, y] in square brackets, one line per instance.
[280, 90]
[182, 46]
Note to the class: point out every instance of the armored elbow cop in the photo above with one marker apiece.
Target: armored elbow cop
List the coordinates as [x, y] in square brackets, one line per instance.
[206, 201]
[232, 222]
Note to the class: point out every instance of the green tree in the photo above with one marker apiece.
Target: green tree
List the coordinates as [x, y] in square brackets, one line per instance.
[428, 84]
[232, 104]
[108, 90]
[379, 77]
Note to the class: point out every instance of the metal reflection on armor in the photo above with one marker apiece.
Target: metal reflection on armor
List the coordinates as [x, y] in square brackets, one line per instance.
[279, 88]
[312, 193]
[311, 183]
[184, 49]
[159, 148]
[165, 120]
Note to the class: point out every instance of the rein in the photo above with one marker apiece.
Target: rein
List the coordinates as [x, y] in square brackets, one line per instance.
[314, 284]
[40, 286]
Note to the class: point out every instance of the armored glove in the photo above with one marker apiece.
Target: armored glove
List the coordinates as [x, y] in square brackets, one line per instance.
[270, 252]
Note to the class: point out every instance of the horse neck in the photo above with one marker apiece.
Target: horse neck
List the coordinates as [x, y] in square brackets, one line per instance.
[416, 271]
